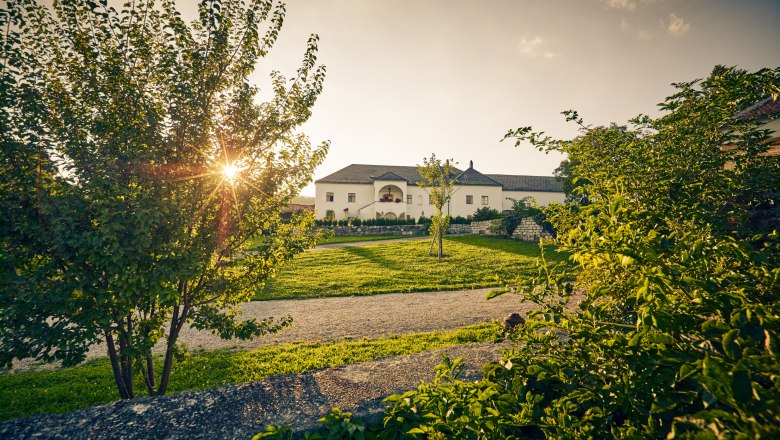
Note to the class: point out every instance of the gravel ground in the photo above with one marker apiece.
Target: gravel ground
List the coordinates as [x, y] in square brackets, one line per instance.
[354, 317]
[240, 411]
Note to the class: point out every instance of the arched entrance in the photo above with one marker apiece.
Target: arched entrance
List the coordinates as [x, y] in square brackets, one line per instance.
[390, 194]
[391, 216]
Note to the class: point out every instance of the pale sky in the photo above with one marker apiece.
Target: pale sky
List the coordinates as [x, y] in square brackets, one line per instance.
[407, 78]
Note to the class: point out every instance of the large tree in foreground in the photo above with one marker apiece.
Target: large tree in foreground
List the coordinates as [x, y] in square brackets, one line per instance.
[136, 167]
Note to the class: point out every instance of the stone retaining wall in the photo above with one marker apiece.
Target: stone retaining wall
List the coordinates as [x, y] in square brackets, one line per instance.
[481, 228]
[341, 231]
[527, 230]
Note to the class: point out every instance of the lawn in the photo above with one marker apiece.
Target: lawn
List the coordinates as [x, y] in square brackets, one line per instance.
[356, 238]
[471, 262]
[340, 239]
[67, 389]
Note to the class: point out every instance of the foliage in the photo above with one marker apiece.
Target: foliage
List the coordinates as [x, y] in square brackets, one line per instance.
[472, 262]
[460, 220]
[485, 213]
[672, 331]
[67, 389]
[573, 186]
[437, 181]
[135, 166]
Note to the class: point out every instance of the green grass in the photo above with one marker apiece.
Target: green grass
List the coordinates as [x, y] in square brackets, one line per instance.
[341, 239]
[353, 239]
[471, 262]
[67, 389]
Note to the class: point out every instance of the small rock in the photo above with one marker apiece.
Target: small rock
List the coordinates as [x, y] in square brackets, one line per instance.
[513, 321]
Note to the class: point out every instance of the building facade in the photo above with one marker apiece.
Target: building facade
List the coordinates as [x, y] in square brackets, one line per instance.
[392, 192]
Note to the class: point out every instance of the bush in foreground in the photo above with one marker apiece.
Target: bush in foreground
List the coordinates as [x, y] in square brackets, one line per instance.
[677, 330]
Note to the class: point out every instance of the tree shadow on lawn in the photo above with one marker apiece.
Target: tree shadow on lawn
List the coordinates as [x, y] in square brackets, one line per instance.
[368, 253]
[529, 249]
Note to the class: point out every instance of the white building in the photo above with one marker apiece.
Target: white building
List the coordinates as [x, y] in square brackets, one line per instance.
[387, 191]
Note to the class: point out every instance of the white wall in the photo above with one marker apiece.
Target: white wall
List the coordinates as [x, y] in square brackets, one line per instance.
[459, 207]
[364, 195]
[543, 198]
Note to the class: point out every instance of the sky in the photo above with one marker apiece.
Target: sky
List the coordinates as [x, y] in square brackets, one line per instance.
[407, 78]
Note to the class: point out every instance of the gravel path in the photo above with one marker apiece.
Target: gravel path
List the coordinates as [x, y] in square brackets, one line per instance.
[352, 317]
[240, 411]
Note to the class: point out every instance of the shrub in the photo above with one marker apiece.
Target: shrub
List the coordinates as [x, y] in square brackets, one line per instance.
[485, 213]
[676, 332]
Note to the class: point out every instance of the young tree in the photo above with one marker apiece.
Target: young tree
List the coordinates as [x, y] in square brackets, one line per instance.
[136, 166]
[437, 181]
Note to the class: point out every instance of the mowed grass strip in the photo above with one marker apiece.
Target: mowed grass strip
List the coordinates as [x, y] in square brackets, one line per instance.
[67, 389]
[357, 238]
[340, 239]
[471, 262]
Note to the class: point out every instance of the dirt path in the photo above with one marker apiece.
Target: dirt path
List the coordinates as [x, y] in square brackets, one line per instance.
[354, 317]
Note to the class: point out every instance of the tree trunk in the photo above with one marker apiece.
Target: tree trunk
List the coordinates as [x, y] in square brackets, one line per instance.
[177, 321]
[119, 376]
[126, 364]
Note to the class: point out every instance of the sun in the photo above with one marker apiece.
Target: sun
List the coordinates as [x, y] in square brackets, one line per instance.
[230, 173]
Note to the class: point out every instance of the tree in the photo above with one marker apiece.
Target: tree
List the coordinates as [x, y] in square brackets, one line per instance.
[573, 186]
[437, 181]
[136, 167]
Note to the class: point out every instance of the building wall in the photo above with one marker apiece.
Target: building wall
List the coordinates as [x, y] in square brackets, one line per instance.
[364, 195]
[543, 198]
[459, 207]
[367, 197]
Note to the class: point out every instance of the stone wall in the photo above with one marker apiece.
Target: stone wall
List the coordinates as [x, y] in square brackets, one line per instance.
[481, 228]
[340, 231]
[529, 230]
[376, 230]
[459, 229]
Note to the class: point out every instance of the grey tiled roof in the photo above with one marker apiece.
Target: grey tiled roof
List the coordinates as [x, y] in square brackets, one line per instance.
[358, 173]
[474, 177]
[390, 176]
[527, 183]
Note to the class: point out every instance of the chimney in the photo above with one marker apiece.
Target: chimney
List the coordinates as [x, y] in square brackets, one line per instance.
[471, 164]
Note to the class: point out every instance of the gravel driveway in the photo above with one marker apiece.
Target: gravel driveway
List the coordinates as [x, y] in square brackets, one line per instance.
[328, 319]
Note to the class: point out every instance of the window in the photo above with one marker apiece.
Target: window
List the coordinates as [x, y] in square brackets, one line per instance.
[485, 200]
[328, 197]
[430, 200]
[469, 200]
[351, 198]
[419, 200]
[408, 199]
